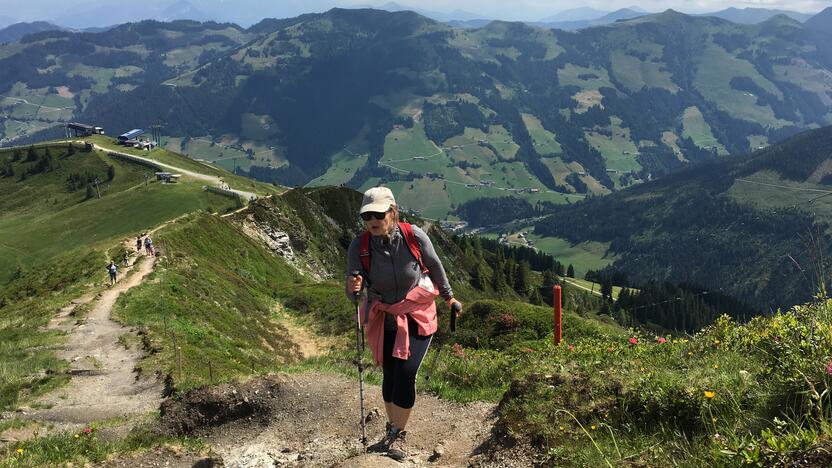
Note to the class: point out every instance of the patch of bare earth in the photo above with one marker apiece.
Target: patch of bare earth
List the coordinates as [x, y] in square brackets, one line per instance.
[312, 419]
[63, 91]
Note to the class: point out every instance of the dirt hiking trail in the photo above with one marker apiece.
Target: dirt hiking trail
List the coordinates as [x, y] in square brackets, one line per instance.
[103, 383]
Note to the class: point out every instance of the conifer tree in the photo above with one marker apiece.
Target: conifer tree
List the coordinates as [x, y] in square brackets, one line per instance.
[570, 272]
[521, 278]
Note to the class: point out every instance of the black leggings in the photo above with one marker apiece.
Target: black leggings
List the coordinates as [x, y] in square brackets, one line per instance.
[399, 384]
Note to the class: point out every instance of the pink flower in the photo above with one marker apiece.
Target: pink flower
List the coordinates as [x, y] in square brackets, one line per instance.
[609, 350]
[661, 340]
[527, 350]
[633, 341]
[829, 368]
[571, 347]
[87, 430]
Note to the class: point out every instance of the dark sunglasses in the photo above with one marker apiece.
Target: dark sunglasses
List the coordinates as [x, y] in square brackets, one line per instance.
[368, 215]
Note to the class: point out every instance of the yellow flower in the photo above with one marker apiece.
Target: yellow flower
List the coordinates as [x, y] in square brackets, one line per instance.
[690, 353]
[593, 427]
[77, 436]
[713, 420]
[716, 341]
[562, 428]
[20, 451]
[709, 394]
[716, 366]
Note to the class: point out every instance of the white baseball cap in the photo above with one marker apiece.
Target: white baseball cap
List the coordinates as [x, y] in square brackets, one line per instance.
[378, 199]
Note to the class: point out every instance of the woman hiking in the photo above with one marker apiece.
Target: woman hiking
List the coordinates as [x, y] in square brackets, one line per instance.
[400, 304]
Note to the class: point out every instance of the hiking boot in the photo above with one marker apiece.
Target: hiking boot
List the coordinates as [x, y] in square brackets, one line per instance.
[398, 447]
[389, 434]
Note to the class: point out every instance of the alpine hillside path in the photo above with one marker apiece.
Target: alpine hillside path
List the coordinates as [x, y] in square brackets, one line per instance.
[103, 383]
[196, 175]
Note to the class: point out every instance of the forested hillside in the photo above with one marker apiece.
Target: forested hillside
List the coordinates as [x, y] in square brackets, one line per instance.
[756, 227]
[443, 115]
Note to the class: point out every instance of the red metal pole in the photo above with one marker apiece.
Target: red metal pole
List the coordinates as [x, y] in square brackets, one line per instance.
[557, 315]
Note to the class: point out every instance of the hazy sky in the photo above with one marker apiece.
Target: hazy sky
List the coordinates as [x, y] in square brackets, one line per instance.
[98, 12]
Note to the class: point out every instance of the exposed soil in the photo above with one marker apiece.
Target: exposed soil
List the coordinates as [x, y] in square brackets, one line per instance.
[312, 419]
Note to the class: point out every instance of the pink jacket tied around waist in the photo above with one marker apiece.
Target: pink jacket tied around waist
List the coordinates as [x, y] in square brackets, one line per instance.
[419, 304]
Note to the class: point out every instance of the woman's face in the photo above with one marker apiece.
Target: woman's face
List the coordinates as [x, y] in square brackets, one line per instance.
[380, 227]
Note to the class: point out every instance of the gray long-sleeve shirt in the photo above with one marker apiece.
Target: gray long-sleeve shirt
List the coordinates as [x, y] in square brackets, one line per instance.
[393, 270]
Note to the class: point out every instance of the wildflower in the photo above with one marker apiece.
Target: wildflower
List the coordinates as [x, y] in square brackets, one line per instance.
[716, 366]
[713, 420]
[571, 347]
[716, 342]
[20, 451]
[87, 430]
[690, 353]
[527, 350]
[633, 341]
[77, 436]
[709, 394]
[459, 351]
[829, 368]
[562, 428]
[609, 350]
[642, 369]
[593, 427]
[662, 340]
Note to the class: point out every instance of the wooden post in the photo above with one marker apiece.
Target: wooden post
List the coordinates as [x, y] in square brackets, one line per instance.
[557, 314]
[210, 373]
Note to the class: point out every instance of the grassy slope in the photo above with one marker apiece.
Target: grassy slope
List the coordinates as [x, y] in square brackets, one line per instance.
[211, 295]
[39, 218]
[184, 162]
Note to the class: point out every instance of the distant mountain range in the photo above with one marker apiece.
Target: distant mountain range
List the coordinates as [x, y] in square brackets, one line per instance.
[353, 96]
[16, 31]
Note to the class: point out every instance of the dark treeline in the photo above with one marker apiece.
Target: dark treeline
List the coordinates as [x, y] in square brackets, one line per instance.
[490, 211]
[682, 308]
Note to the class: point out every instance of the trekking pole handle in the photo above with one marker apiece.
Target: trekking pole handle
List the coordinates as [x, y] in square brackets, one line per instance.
[356, 274]
[455, 308]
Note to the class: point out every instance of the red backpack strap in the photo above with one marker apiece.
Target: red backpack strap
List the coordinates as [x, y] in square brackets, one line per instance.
[364, 251]
[413, 244]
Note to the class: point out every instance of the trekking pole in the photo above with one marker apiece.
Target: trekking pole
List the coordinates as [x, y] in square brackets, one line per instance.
[454, 310]
[359, 349]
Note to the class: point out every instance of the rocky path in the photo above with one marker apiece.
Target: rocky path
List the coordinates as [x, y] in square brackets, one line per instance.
[103, 383]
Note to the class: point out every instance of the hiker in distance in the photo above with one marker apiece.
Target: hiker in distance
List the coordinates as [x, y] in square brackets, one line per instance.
[148, 246]
[112, 268]
[402, 274]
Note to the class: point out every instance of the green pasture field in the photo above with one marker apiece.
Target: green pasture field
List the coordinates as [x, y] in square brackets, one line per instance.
[257, 127]
[584, 256]
[766, 190]
[406, 143]
[634, 73]
[545, 142]
[614, 147]
[695, 128]
[713, 81]
[570, 75]
[755, 141]
[343, 167]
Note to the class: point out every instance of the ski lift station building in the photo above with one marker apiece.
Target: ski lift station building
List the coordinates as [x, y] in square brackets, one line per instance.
[131, 135]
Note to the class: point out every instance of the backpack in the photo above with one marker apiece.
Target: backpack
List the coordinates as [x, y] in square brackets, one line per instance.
[148, 241]
[113, 268]
[409, 237]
